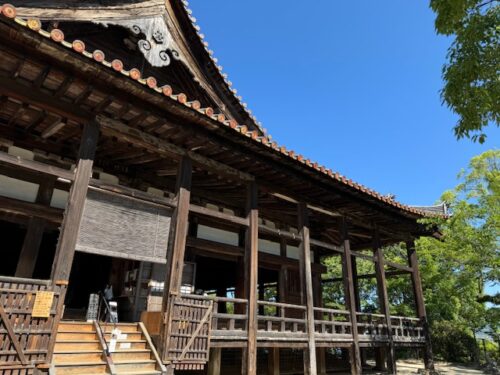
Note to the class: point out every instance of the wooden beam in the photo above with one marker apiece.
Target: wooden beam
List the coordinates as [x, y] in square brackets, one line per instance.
[27, 209]
[398, 266]
[38, 99]
[354, 353]
[70, 227]
[218, 215]
[307, 288]
[137, 137]
[251, 277]
[420, 304]
[176, 249]
[383, 299]
[214, 363]
[53, 128]
[34, 233]
[35, 166]
[273, 361]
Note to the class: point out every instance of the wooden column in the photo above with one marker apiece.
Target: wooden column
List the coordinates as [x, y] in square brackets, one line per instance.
[251, 279]
[354, 353]
[273, 361]
[176, 247]
[307, 288]
[420, 305]
[357, 301]
[214, 363]
[70, 227]
[384, 299]
[34, 232]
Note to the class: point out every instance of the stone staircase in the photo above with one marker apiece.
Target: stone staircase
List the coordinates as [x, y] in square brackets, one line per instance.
[80, 349]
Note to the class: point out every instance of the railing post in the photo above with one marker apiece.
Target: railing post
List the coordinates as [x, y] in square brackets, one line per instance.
[354, 353]
[419, 302]
[176, 249]
[307, 288]
[251, 278]
[384, 299]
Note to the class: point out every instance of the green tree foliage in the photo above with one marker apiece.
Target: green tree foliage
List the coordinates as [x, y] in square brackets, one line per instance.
[455, 270]
[472, 85]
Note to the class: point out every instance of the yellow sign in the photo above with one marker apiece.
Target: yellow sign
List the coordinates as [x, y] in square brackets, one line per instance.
[43, 304]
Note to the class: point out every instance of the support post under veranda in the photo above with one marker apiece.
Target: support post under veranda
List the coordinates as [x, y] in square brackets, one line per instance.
[310, 367]
[175, 251]
[68, 235]
[384, 301]
[354, 352]
[420, 305]
[251, 263]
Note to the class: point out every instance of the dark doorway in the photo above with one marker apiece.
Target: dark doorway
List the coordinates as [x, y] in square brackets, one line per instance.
[89, 274]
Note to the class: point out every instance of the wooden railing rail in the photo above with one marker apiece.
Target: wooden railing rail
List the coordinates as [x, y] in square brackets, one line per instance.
[407, 329]
[332, 321]
[282, 317]
[234, 315]
[371, 324]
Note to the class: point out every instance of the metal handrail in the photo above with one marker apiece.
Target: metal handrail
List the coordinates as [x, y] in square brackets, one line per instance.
[103, 333]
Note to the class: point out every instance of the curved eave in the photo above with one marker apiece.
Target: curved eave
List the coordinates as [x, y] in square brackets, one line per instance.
[205, 117]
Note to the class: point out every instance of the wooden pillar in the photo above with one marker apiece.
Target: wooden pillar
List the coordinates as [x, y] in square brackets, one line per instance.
[34, 232]
[214, 363]
[384, 300]
[176, 247]
[251, 278]
[307, 288]
[70, 227]
[354, 353]
[273, 362]
[420, 305]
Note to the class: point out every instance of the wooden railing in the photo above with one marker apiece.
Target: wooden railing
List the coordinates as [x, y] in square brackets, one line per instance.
[27, 341]
[407, 329]
[372, 326]
[331, 322]
[283, 321]
[229, 319]
[287, 322]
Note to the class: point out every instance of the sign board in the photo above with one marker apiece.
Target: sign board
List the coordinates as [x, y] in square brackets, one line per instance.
[43, 304]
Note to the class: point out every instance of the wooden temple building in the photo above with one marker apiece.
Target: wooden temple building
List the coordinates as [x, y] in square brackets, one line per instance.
[128, 161]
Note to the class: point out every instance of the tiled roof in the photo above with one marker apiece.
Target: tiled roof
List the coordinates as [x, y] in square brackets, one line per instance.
[78, 46]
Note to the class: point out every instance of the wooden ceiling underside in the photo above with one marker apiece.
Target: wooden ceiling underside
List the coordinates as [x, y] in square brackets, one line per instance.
[42, 104]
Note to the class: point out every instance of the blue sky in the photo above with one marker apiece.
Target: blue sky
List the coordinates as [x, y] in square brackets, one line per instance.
[353, 85]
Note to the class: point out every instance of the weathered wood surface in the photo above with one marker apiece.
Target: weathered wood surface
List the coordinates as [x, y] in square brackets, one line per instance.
[355, 357]
[88, 10]
[384, 300]
[34, 234]
[419, 302]
[251, 277]
[310, 366]
[68, 236]
[189, 334]
[25, 340]
[175, 252]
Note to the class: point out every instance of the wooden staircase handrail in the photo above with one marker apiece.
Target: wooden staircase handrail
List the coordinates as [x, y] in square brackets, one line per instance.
[144, 331]
[109, 361]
